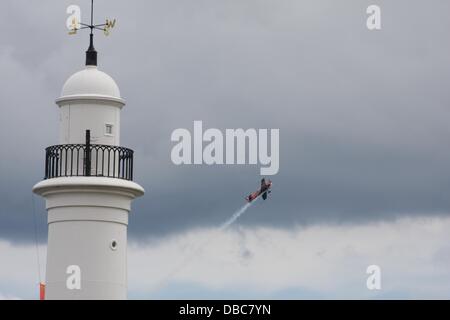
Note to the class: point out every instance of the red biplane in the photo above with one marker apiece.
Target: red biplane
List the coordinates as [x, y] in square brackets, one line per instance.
[264, 190]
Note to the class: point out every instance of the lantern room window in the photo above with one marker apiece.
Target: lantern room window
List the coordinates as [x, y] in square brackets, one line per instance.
[109, 129]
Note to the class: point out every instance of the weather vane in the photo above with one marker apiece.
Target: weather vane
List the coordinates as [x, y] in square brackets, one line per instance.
[75, 25]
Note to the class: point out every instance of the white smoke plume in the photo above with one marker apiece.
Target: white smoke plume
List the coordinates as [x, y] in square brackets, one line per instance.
[236, 215]
[185, 261]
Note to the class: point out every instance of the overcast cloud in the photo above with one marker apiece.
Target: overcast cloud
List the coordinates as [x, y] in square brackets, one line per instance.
[362, 115]
[267, 263]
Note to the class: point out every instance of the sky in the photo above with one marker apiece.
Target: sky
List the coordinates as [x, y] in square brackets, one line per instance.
[362, 116]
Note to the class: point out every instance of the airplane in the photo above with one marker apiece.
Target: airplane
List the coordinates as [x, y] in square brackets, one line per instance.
[264, 190]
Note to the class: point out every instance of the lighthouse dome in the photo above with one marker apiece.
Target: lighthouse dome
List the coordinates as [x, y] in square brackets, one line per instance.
[91, 82]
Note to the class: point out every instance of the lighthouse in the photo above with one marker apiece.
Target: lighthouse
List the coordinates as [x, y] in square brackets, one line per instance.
[88, 189]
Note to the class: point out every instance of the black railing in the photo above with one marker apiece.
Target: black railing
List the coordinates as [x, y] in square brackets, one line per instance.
[70, 160]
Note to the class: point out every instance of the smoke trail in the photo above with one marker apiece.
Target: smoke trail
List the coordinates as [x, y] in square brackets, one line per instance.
[199, 248]
[235, 216]
[238, 213]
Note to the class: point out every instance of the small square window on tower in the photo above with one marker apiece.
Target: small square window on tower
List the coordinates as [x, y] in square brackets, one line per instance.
[109, 129]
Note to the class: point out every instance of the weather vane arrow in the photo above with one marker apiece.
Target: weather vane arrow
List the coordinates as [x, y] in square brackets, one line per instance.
[91, 54]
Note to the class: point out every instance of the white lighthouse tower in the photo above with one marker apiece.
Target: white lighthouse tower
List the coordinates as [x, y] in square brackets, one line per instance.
[88, 190]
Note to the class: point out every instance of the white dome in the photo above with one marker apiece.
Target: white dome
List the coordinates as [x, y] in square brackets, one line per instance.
[91, 81]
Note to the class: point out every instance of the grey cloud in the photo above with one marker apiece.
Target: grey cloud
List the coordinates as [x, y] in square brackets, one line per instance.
[362, 115]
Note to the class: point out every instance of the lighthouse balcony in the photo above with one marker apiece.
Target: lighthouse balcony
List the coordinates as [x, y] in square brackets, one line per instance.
[86, 160]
